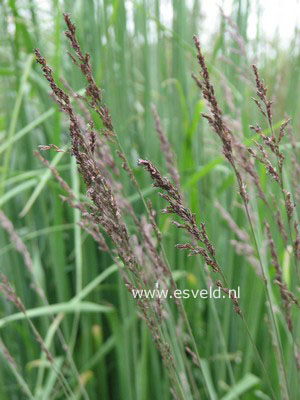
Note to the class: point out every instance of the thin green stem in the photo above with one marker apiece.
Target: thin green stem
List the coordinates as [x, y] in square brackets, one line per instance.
[270, 308]
[249, 335]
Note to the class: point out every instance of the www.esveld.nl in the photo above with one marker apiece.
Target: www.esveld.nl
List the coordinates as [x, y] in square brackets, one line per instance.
[211, 292]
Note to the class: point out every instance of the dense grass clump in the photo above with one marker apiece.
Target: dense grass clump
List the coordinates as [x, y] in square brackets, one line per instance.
[146, 166]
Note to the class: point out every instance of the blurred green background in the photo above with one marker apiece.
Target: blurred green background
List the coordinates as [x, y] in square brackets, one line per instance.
[142, 53]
